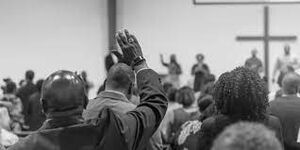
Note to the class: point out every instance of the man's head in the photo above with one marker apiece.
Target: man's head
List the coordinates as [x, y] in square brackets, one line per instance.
[247, 136]
[63, 94]
[291, 83]
[39, 84]
[29, 75]
[254, 53]
[120, 78]
[200, 57]
[287, 50]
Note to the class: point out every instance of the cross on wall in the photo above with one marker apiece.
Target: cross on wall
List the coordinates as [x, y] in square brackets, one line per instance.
[266, 38]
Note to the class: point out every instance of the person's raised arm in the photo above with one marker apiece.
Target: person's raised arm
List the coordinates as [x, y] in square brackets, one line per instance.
[142, 122]
[162, 61]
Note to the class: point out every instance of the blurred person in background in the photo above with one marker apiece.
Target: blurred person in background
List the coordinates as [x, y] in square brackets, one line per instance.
[287, 109]
[13, 105]
[254, 63]
[25, 91]
[187, 135]
[200, 71]
[36, 117]
[174, 70]
[181, 115]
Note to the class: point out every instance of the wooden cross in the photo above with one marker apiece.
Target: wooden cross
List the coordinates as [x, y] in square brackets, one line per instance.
[266, 38]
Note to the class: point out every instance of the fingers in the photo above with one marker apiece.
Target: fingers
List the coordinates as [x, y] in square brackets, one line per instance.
[134, 39]
[127, 34]
[123, 38]
[119, 40]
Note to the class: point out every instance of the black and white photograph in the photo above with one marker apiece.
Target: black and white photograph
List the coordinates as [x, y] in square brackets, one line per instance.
[150, 75]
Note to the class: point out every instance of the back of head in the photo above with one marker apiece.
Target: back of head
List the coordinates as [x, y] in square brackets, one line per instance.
[291, 83]
[186, 96]
[29, 75]
[171, 94]
[10, 87]
[247, 136]
[39, 84]
[241, 94]
[63, 91]
[120, 77]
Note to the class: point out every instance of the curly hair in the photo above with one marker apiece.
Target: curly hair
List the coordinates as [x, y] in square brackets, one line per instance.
[241, 94]
[247, 136]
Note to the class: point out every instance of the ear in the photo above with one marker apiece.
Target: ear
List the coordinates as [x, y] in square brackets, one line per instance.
[130, 88]
[44, 106]
[85, 101]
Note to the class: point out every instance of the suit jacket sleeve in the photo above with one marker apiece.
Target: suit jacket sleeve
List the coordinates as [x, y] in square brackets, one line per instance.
[139, 124]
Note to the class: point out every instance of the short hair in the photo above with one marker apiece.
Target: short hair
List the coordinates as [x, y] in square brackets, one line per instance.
[291, 83]
[247, 136]
[120, 76]
[186, 96]
[29, 75]
[242, 94]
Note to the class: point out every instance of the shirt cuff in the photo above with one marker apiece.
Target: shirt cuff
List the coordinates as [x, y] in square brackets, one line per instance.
[142, 70]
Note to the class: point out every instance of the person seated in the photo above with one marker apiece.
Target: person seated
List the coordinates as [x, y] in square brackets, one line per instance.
[181, 115]
[187, 135]
[286, 108]
[64, 99]
[240, 95]
[247, 136]
[116, 96]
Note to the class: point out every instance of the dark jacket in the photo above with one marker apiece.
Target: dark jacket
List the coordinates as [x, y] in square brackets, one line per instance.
[117, 102]
[36, 117]
[109, 131]
[213, 126]
[287, 109]
[24, 93]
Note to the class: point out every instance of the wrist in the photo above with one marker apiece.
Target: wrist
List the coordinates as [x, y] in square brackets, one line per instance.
[141, 66]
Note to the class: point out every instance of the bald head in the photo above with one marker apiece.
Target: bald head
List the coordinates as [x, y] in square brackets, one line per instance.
[291, 83]
[120, 77]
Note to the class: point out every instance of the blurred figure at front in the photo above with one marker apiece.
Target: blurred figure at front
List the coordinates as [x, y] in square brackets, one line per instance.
[284, 64]
[200, 70]
[35, 112]
[25, 91]
[253, 63]
[174, 70]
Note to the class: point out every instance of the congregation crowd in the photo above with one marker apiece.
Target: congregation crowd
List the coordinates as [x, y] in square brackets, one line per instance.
[135, 109]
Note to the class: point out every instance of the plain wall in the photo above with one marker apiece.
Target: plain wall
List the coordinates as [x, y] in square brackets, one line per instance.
[47, 35]
[179, 27]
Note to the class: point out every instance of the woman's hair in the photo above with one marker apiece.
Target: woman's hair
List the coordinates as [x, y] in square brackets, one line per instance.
[241, 94]
[186, 96]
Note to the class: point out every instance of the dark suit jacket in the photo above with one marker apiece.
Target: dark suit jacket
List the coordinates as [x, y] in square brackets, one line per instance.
[213, 126]
[287, 109]
[110, 131]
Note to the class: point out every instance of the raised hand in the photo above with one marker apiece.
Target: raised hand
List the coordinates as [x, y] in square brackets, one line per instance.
[130, 47]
